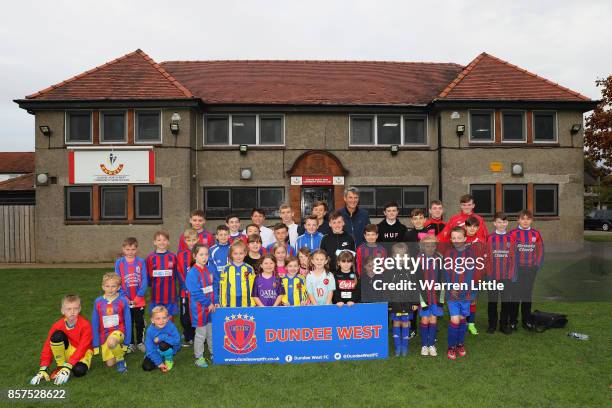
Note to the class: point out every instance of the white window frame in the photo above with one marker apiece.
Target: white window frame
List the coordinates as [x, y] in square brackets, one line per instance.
[492, 112]
[230, 122]
[161, 126]
[67, 127]
[556, 127]
[101, 126]
[555, 188]
[523, 115]
[402, 118]
[145, 187]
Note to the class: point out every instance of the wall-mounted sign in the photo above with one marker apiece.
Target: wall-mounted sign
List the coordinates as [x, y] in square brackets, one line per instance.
[317, 180]
[111, 166]
[496, 166]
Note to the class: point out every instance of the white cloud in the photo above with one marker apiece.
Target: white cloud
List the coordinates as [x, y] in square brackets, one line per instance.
[42, 43]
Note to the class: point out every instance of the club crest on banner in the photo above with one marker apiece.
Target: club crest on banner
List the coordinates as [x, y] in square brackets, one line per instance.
[239, 334]
[112, 169]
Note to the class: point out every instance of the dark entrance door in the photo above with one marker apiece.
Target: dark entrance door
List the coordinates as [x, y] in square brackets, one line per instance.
[312, 194]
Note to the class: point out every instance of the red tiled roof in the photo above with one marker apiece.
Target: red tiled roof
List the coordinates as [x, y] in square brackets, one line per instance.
[490, 78]
[22, 183]
[313, 82]
[133, 76]
[16, 162]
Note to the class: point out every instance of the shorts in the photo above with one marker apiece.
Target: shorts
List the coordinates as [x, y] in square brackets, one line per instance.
[432, 310]
[401, 317]
[172, 307]
[86, 358]
[105, 351]
[459, 307]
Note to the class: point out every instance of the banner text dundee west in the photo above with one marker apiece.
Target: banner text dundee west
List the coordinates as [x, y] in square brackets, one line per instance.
[250, 335]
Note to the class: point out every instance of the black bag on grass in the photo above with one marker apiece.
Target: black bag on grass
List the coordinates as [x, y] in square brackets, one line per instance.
[545, 320]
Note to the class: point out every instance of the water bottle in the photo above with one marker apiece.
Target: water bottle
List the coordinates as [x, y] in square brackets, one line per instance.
[578, 336]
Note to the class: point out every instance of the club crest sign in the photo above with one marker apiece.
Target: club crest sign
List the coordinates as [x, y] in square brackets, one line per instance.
[239, 334]
[117, 166]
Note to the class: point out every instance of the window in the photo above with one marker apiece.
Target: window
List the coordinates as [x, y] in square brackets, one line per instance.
[362, 130]
[112, 127]
[544, 126]
[414, 130]
[249, 129]
[148, 202]
[271, 130]
[78, 203]
[243, 129]
[374, 199]
[513, 126]
[220, 202]
[481, 126]
[78, 127]
[387, 130]
[484, 198]
[113, 202]
[514, 198]
[545, 199]
[148, 126]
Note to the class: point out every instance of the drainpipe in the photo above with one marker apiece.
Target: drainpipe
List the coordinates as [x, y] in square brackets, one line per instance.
[440, 157]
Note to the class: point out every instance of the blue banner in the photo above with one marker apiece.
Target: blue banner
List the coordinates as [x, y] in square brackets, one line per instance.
[300, 334]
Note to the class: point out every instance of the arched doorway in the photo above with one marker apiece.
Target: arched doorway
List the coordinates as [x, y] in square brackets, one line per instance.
[316, 175]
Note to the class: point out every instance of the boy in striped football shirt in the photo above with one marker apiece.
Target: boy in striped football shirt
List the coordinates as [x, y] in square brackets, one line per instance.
[197, 220]
[111, 323]
[500, 267]
[529, 257]
[161, 267]
[133, 273]
[184, 262]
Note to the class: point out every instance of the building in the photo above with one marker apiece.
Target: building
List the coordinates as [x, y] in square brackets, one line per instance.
[17, 178]
[133, 145]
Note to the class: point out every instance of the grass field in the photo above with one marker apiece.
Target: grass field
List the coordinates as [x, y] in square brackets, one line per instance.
[524, 369]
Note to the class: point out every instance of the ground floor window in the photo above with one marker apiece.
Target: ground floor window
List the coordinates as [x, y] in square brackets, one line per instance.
[374, 198]
[542, 199]
[219, 202]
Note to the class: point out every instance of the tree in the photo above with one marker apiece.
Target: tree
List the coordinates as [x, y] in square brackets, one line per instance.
[598, 129]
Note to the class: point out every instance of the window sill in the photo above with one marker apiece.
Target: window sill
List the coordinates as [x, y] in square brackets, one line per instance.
[513, 144]
[388, 147]
[237, 147]
[113, 222]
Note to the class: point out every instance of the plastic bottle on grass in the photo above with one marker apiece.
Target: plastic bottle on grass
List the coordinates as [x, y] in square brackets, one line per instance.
[578, 336]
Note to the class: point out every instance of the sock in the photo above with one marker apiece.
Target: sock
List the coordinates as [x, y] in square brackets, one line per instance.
[461, 331]
[396, 338]
[59, 353]
[452, 334]
[471, 318]
[118, 353]
[433, 330]
[424, 334]
[405, 338]
[167, 355]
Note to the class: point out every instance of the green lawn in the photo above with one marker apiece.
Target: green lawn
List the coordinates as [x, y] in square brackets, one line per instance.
[524, 369]
[601, 237]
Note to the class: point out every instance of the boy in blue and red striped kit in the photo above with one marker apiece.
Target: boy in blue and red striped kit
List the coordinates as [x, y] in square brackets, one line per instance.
[161, 267]
[472, 226]
[281, 233]
[500, 266]
[461, 274]
[529, 257]
[185, 260]
[370, 248]
[233, 223]
[111, 323]
[429, 274]
[202, 289]
[197, 220]
[133, 273]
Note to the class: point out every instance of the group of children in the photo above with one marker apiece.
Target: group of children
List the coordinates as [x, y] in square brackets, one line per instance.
[233, 269]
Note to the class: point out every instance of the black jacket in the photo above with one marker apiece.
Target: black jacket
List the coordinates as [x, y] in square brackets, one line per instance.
[333, 243]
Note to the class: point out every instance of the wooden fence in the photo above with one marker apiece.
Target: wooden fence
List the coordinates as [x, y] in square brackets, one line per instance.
[17, 234]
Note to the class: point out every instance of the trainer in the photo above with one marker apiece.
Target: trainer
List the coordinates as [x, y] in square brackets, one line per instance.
[355, 218]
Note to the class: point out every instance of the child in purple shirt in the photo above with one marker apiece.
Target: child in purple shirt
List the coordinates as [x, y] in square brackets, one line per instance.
[268, 289]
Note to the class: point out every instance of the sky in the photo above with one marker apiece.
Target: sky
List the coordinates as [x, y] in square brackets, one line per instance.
[45, 42]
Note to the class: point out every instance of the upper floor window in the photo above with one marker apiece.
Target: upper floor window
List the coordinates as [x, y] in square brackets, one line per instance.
[78, 127]
[388, 130]
[544, 126]
[249, 129]
[148, 126]
[513, 126]
[112, 127]
[482, 126]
